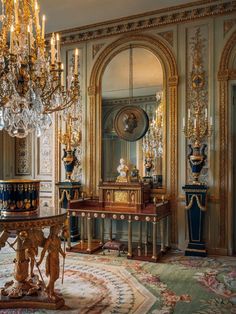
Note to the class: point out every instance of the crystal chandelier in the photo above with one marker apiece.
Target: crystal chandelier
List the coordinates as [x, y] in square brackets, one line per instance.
[153, 140]
[32, 82]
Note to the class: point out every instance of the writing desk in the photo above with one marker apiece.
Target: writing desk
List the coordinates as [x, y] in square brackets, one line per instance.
[158, 215]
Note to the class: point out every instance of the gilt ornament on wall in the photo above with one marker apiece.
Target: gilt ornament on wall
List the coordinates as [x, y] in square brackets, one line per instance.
[23, 156]
[197, 129]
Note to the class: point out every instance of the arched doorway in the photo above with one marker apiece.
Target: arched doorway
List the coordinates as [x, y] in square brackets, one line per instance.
[227, 80]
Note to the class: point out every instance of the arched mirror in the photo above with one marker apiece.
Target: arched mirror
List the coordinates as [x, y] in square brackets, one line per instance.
[134, 79]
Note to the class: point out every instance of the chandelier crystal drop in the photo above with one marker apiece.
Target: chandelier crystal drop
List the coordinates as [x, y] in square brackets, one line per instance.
[31, 80]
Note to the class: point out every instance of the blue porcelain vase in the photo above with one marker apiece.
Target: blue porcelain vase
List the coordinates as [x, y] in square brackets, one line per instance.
[197, 158]
[70, 161]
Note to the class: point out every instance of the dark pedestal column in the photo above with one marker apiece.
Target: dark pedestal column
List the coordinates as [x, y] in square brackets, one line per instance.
[70, 191]
[196, 207]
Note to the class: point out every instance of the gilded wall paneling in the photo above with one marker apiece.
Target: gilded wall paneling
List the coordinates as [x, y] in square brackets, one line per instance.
[23, 156]
[197, 48]
[45, 153]
[77, 173]
[226, 210]
[165, 55]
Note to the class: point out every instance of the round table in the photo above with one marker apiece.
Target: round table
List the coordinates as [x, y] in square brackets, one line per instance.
[27, 289]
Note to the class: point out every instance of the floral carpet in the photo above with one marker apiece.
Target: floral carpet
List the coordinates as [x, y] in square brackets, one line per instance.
[109, 284]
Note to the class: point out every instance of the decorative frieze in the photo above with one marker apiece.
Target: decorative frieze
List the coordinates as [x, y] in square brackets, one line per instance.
[178, 14]
[126, 101]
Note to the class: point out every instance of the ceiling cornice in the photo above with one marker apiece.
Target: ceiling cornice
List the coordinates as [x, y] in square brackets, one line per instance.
[172, 15]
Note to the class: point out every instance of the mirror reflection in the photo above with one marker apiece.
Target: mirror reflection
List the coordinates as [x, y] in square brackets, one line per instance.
[132, 89]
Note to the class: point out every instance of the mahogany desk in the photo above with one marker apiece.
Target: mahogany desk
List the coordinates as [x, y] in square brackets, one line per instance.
[156, 214]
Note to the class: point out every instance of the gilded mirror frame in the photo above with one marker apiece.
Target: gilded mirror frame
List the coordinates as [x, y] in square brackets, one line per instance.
[139, 152]
[93, 149]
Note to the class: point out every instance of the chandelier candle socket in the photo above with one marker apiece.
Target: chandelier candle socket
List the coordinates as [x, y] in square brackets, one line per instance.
[32, 80]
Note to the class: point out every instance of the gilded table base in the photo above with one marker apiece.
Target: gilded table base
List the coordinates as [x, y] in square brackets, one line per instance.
[39, 301]
[28, 290]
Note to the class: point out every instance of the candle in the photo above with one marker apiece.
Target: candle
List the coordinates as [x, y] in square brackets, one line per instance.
[36, 15]
[2, 7]
[195, 123]
[29, 41]
[43, 26]
[53, 49]
[188, 113]
[58, 48]
[211, 121]
[205, 113]
[11, 38]
[76, 61]
[16, 11]
[183, 122]
[62, 74]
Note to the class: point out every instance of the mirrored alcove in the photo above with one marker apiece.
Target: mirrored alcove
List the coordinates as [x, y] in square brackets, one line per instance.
[134, 78]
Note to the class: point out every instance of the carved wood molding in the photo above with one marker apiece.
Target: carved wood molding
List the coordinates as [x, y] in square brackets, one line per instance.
[172, 15]
[163, 52]
[223, 77]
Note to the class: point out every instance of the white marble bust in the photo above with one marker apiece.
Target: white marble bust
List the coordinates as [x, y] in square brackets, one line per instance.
[123, 171]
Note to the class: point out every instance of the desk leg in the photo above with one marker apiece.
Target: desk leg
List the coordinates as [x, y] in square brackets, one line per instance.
[82, 231]
[162, 226]
[140, 239]
[89, 231]
[154, 240]
[168, 231]
[130, 251]
[146, 239]
[74, 228]
[110, 230]
[102, 230]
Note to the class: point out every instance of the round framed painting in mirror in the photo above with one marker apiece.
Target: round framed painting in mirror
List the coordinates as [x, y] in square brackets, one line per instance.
[131, 123]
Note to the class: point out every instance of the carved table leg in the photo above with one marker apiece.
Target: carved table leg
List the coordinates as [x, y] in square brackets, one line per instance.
[110, 230]
[82, 231]
[146, 239]
[102, 230]
[140, 239]
[168, 232]
[154, 241]
[21, 285]
[162, 225]
[89, 230]
[130, 251]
